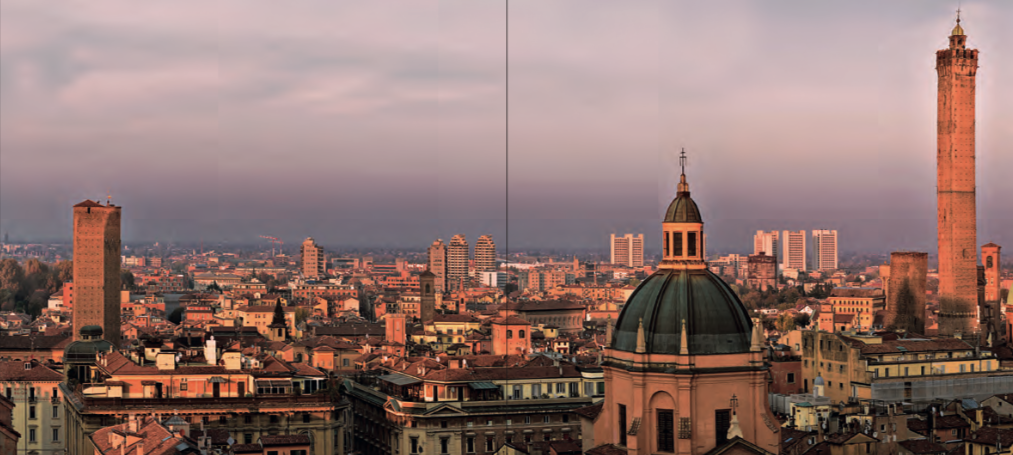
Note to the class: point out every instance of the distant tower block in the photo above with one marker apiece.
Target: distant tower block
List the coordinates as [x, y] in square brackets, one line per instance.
[958, 258]
[97, 269]
[427, 286]
[905, 298]
[990, 257]
[395, 327]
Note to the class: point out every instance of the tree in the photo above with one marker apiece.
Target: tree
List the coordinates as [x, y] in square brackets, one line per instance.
[301, 314]
[214, 287]
[12, 278]
[176, 316]
[785, 322]
[64, 271]
[802, 320]
[127, 279]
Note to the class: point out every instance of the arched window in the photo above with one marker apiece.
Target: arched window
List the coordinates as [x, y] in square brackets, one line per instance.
[988, 262]
[510, 334]
[427, 288]
[520, 334]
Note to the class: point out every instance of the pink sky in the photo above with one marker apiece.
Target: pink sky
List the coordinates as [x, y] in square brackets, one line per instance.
[383, 122]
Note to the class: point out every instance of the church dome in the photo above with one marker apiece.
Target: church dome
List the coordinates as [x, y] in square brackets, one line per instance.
[683, 210]
[716, 322]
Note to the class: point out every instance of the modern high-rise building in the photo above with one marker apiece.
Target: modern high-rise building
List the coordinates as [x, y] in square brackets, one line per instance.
[768, 243]
[437, 263]
[628, 250]
[957, 67]
[793, 250]
[97, 268]
[485, 254]
[312, 263]
[458, 256]
[824, 249]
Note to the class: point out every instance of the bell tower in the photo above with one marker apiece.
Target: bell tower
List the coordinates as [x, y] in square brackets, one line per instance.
[958, 259]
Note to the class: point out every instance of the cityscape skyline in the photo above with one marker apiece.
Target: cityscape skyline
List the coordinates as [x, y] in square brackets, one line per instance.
[437, 180]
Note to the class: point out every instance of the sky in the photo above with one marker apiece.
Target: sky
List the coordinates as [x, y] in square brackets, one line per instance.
[388, 123]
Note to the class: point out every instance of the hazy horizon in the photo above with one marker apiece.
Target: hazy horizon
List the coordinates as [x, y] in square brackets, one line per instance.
[362, 124]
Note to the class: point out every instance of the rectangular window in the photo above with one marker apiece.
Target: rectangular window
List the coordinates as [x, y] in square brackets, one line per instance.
[527, 419]
[9, 391]
[601, 388]
[248, 419]
[31, 412]
[536, 390]
[56, 412]
[791, 378]
[306, 417]
[415, 445]
[691, 243]
[443, 424]
[676, 244]
[274, 419]
[470, 448]
[622, 425]
[566, 418]
[444, 445]
[344, 362]
[561, 387]
[182, 385]
[517, 395]
[666, 430]
[546, 419]
[722, 420]
[905, 371]
[667, 249]
[31, 435]
[489, 444]
[56, 434]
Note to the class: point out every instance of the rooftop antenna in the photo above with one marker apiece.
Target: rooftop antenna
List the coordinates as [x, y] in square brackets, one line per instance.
[682, 158]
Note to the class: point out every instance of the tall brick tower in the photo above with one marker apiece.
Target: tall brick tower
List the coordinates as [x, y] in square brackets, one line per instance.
[97, 269]
[993, 277]
[958, 256]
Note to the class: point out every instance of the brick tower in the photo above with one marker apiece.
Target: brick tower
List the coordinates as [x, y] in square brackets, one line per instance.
[958, 256]
[97, 269]
[993, 281]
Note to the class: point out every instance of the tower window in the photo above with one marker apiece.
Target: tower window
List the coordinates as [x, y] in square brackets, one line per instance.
[691, 243]
[676, 244]
[667, 248]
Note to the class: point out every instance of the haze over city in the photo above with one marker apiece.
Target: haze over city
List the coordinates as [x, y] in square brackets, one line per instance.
[359, 125]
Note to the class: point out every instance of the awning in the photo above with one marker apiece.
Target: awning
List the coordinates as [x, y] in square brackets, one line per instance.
[274, 383]
[218, 380]
[399, 379]
[483, 386]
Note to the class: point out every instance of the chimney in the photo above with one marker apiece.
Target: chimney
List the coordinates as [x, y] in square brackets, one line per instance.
[140, 448]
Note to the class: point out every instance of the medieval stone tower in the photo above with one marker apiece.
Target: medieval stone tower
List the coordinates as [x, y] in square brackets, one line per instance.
[958, 258]
[97, 269]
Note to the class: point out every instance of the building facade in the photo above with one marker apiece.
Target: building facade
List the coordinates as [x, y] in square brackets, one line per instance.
[793, 250]
[97, 267]
[458, 256]
[313, 265]
[762, 273]
[904, 282]
[437, 263]
[38, 412]
[485, 254]
[768, 243]
[627, 250]
[824, 249]
[957, 67]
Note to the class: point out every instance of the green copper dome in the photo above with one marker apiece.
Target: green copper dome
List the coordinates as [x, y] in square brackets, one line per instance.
[683, 210]
[716, 321]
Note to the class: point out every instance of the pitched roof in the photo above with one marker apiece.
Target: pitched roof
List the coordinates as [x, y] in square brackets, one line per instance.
[13, 370]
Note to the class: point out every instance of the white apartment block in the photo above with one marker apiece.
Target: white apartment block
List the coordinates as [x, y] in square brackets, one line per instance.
[793, 250]
[628, 250]
[824, 249]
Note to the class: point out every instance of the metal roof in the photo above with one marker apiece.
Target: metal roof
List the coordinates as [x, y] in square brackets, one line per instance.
[399, 379]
